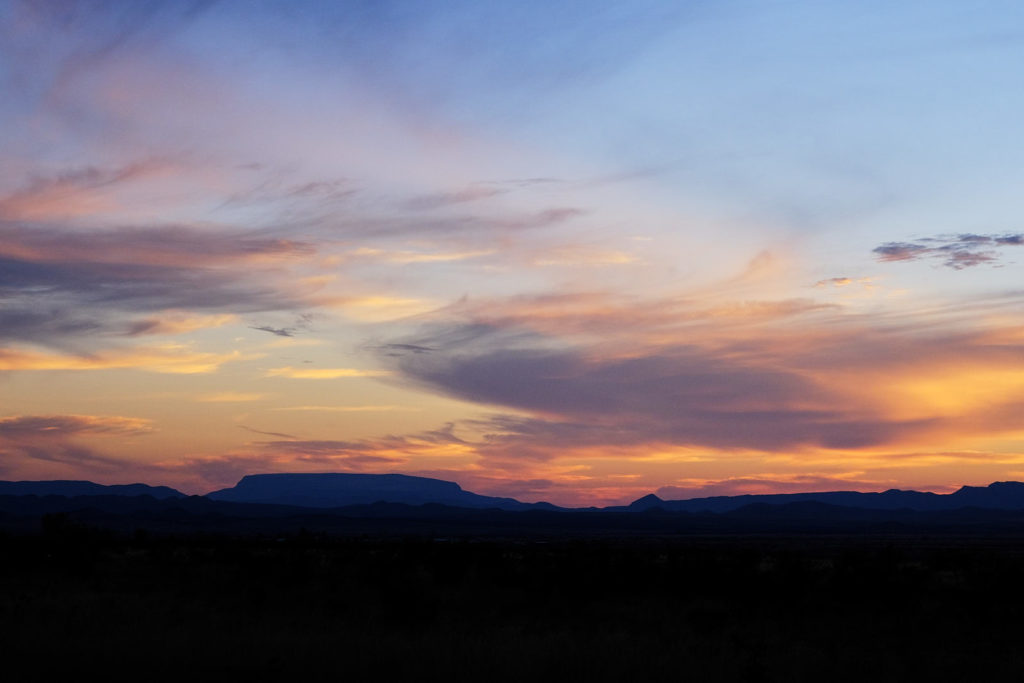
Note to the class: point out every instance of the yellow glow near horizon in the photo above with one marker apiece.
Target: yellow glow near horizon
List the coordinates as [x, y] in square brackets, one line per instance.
[324, 373]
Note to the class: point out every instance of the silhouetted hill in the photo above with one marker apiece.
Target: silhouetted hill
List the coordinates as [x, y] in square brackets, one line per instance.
[84, 488]
[202, 515]
[330, 490]
[648, 502]
[1004, 495]
[389, 504]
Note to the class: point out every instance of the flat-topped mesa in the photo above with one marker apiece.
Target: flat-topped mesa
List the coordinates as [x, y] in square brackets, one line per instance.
[343, 481]
[338, 489]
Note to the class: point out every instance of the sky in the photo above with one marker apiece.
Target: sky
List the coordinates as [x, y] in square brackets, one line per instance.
[566, 251]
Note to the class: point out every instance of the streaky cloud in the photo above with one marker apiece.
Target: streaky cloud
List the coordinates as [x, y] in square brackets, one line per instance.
[957, 252]
[62, 426]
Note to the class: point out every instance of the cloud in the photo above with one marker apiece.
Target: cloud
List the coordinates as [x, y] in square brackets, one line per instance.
[177, 322]
[159, 246]
[64, 285]
[404, 257]
[384, 450]
[169, 358]
[900, 251]
[333, 451]
[42, 323]
[279, 435]
[71, 193]
[399, 349]
[230, 397]
[603, 315]
[680, 395]
[495, 226]
[56, 459]
[955, 251]
[577, 374]
[834, 282]
[35, 445]
[345, 409]
[278, 331]
[377, 308]
[324, 373]
[471, 193]
[63, 426]
[579, 255]
[324, 194]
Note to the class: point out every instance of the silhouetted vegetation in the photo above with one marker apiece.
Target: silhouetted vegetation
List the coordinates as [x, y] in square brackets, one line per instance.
[75, 600]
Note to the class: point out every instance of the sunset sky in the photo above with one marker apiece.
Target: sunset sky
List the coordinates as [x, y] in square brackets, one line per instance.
[563, 251]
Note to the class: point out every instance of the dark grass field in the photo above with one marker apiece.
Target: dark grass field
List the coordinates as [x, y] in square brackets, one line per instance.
[77, 603]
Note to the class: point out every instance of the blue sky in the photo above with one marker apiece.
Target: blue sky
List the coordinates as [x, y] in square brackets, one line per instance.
[572, 251]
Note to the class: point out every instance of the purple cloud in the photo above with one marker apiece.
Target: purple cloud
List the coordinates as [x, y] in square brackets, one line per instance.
[955, 251]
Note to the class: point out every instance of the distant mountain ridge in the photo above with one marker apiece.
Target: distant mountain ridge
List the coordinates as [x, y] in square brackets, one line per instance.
[71, 488]
[328, 490]
[1000, 495]
[396, 504]
[336, 490]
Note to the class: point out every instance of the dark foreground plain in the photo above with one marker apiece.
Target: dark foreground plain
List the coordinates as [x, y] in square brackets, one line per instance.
[77, 602]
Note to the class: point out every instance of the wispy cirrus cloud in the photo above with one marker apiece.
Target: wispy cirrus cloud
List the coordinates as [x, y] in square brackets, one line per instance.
[301, 324]
[45, 445]
[177, 322]
[441, 442]
[72, 193]
[346, 409]
[169, 358]
[279, 435]
[471, 193]
[407, 256]
[64, 426]
[169, 246]
[276, 331]
[65, 285]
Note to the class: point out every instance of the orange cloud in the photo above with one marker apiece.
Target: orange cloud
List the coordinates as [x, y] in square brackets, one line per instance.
[600, 371]
[346, 409]
[230, 397]
[47, 446]
[584, 256]
[180, 322]
[170, 358]
[184, 246]
[20, 427]
[404, 257]
[376, 308]
[80, 192]
[324, 373]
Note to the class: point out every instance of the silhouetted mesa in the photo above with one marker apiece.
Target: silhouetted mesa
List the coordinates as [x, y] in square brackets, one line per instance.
[330, 490]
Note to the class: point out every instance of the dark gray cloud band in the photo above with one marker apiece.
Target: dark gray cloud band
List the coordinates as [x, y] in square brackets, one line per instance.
[955, 251]
[59, 285]
[685, 395]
